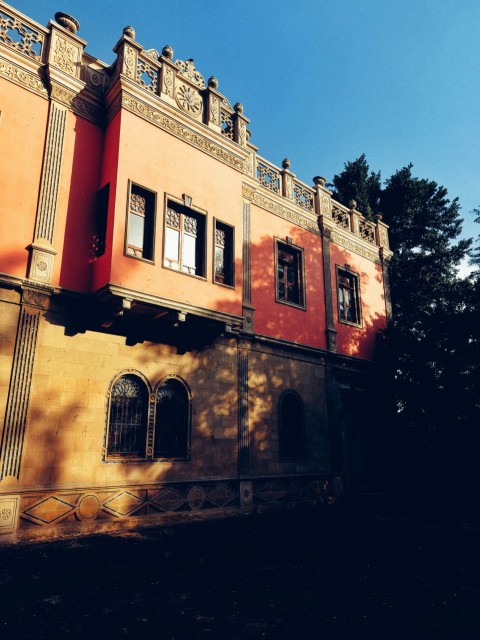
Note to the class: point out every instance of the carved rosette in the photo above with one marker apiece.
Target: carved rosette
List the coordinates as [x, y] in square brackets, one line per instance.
[189, 100]
[9, 510]
[41, 265]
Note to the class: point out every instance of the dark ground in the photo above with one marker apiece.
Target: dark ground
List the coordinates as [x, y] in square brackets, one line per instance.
[334, 574]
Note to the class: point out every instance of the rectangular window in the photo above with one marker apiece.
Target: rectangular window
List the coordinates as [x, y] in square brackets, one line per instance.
[101, 218]
[348, 296]
[289, 267]
[184, 244]
[140, 222]
[223, 252]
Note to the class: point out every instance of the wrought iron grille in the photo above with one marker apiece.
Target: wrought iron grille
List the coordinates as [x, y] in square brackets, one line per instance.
[128, 417]
[172, 420]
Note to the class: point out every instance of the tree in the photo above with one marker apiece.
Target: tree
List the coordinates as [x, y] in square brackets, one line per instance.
[431, 348]
[356, 183]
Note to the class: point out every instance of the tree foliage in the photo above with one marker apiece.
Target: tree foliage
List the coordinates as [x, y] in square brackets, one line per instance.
[432, 345]
[357, 183]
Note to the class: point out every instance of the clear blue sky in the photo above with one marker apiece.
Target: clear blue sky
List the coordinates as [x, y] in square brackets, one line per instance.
[324, 81]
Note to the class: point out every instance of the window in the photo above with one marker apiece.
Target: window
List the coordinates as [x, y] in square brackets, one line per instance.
[172, 420]
[140, 222]
[184, 248]
[348, 296]
[128, 413]
[101, 218]
[142, 426]
[223, 245]
[289, 286]
[291, 428]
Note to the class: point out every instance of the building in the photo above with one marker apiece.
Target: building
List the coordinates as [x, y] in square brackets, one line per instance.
[187, 329]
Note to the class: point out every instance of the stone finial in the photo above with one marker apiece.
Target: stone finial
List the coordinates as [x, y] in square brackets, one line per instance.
[238, 106]
[378, 217]
[129, 32]
[352, 205]
[67, 22]
[286, 163]
[167, 52]
[213, 82]
[319, 181]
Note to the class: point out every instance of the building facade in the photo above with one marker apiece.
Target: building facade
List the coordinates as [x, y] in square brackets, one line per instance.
[186, 329]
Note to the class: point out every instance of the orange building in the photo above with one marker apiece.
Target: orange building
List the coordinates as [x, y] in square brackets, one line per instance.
[187, 329]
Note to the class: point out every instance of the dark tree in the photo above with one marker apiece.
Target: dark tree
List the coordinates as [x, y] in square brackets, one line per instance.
[356, 182]
[431, 348]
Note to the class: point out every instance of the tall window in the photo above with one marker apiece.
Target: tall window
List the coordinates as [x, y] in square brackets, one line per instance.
[348, 297]
[128, 414]
[145, 426]
[291, 427]
[140, 222]
[184, 248]
[224, 264]
[289, 264]
[172, 420]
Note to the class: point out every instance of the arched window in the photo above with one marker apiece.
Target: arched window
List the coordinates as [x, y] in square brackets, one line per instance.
[291, 427]
[128, 417]
[172, 420]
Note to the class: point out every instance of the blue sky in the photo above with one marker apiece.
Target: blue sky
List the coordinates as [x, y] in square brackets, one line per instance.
[324, 81]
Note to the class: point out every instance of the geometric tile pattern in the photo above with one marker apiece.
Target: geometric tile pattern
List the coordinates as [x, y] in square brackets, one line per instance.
[104, 504]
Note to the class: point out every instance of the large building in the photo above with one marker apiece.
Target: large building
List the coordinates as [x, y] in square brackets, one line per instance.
[186, 328]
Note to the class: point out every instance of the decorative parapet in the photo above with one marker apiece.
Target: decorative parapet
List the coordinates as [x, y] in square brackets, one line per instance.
[21, 34]
[179, 84]
[318, 200]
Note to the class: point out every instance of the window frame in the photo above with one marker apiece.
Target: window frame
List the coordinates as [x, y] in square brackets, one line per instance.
[146, 450]
[201, 243]
[283, 455]
[229, 253]
[149, 224]
[287, 244]
[355, 278]
[161, 383]
[127, 457]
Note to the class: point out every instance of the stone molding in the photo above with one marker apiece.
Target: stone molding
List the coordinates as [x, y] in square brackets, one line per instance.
[159, 118]
[23, 77]
[355, 245]
[280, 210]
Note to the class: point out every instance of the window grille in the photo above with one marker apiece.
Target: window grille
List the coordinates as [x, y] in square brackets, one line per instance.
[128, 417]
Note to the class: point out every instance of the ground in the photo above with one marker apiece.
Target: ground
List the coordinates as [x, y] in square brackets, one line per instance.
[329, 574]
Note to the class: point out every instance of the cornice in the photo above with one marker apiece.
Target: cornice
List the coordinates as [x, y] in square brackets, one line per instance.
[22, 76]
[356, 245]
[273, 206]
[124, 97]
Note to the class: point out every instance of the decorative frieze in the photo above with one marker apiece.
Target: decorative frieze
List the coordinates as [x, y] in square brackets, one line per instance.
[355, 246]
[22, 77]
[284, 212]
[169, 124]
